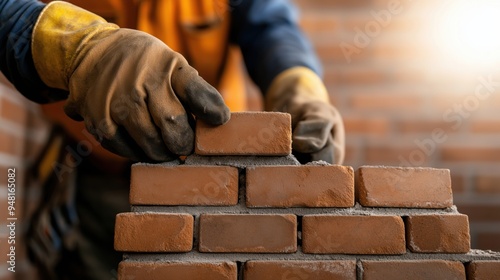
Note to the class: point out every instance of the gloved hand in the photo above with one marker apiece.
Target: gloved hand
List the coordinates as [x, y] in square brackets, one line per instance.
[134, 93]
[317, 127]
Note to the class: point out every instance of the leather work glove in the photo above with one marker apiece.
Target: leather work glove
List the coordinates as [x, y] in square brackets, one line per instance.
[317, 127]
[134, 93]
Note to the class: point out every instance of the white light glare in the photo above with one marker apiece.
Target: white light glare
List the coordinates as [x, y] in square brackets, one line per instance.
[469, 31]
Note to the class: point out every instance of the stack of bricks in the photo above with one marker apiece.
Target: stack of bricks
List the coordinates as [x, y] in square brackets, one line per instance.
[242, 207]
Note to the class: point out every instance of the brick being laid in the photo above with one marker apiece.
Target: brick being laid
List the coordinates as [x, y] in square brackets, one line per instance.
[246, 133]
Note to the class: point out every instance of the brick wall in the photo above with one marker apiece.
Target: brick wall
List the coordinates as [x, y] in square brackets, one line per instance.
[400, 94]
[239, 211]
[22, 135]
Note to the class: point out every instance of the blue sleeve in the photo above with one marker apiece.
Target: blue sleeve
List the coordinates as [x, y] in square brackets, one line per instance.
[17, 18]
[270, 39]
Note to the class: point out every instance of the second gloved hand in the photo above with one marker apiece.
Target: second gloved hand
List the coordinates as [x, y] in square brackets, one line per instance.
[134, 93]
[318, 130]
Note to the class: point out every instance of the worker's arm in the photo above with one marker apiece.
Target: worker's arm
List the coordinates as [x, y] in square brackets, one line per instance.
[282, 63]
[17, 18]
[134, 93]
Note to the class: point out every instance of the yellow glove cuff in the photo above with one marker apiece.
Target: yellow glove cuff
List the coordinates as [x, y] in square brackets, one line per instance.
[289, 81]
[60, 33]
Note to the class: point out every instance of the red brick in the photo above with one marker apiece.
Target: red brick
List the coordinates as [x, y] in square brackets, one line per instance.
[153, 232]
[363, 76]
[467, 154]
[409, 52]
[457, 183]
[317, 24]
[183, 185]
[423, 126]
[10, 144]
[333, 53]
[335, 5]
[485, 126]
[413, 270]
[403, 187]
[177, 270]
[483, 270]
[481, 213]
[300, 186]
[438, 233]
[317, 270]
[394, 155]
[246, 133]
[488, 241]
[13, 112]
[222, 233]
[327, 234]
[372, 126]
[487, 184]
[385, 101]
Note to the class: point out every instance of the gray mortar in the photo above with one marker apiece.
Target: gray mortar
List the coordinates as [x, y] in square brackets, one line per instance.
[241, 161]
[174, 162]
[193, 256]
[242, 209]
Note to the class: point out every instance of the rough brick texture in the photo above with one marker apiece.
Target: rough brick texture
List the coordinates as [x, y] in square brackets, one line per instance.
[300, 186]
[438, 233]
[183, 185]
[413, 270]
[483, 270]
[328, 234]
[177, 270]
[403, 187]
[291, 270]
[248, 233]
[153, 232]
[246, 133]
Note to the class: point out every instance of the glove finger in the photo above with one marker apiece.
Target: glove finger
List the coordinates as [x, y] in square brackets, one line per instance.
[138, 123]
[328, 153]
[171, 117]
[200, 98]
[310, 136]
[116, 140]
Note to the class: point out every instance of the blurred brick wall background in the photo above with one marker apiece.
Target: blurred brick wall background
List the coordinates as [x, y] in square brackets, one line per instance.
[22, 135]
[399, 87]
[404, 102]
